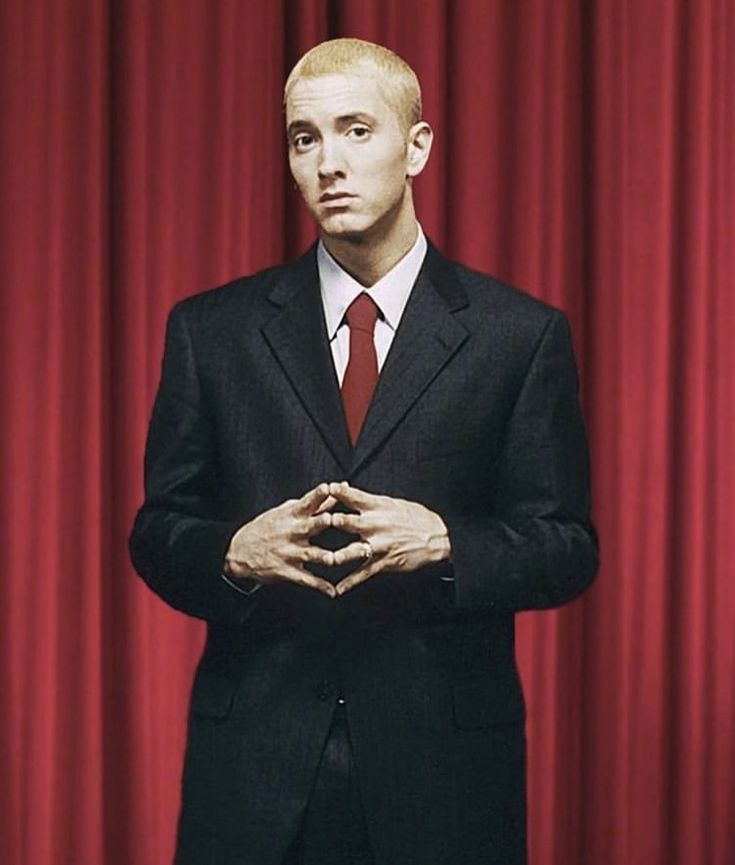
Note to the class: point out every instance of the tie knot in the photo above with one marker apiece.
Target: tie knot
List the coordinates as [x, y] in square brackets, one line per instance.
[362, 313]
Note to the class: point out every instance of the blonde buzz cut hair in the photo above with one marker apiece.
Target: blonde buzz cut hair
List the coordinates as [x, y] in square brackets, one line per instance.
[357, 57]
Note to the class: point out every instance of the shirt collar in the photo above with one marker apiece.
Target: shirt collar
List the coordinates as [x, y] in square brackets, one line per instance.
[390, 293]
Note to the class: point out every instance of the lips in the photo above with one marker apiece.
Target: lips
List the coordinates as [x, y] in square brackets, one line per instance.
[335, 196]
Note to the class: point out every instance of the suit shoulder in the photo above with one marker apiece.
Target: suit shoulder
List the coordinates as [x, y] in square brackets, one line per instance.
[247, 291]
[501, 298]
[496, 312]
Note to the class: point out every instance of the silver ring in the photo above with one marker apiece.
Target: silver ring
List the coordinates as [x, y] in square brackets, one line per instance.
[369, 554]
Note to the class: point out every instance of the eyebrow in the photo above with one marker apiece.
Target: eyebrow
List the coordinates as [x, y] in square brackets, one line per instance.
[357, 115]
[342, 120]
[295, 125]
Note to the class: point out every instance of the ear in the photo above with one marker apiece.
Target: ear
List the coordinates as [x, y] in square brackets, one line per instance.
[420, 137]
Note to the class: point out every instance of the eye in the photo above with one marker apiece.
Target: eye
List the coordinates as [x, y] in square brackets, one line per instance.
[358, 133]
[302, 141]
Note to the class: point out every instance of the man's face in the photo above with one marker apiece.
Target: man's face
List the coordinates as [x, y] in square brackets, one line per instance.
[348, 153]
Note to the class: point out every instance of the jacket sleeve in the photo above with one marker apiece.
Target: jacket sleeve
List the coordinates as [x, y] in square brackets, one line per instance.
[536, 547]
[177, 544]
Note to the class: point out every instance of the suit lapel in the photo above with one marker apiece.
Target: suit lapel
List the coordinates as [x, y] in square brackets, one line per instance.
[297, 335]
[428, 336]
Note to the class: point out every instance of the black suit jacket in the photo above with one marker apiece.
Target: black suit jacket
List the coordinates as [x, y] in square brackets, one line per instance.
[476, 416]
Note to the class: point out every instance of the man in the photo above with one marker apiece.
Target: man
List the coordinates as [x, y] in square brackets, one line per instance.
[360, 465]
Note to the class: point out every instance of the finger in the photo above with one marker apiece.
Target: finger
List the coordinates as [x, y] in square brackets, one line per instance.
[314, 555]
[352, 496]
[314, 525]
[353, 523]
[300, 577]
[351, 553]
[309, 502]
[358, 577]
[326, 505]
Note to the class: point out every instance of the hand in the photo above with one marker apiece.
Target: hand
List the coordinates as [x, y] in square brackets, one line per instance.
[274, 547]
[395, 534]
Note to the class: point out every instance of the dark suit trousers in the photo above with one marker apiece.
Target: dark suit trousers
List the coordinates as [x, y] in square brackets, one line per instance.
[333, 829]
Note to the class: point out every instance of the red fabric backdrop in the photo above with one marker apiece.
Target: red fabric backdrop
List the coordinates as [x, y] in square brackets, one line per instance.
[585, 152]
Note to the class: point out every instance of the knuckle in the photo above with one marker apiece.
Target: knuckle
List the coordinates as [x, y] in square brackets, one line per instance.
[291, 555]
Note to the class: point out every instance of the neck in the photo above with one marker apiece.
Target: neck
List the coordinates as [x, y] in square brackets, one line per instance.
[368, 257]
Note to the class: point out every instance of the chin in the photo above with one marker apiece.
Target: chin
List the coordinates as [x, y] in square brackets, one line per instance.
[344, 227]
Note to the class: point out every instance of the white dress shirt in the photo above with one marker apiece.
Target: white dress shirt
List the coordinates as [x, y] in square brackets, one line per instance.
[390, 294]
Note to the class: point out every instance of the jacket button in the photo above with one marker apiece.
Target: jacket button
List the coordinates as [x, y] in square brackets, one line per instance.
[326, 690]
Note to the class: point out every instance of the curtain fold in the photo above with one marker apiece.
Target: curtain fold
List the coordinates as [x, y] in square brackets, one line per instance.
[584, 152]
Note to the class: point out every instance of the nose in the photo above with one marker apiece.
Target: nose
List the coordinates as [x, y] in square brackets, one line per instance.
[331, 159]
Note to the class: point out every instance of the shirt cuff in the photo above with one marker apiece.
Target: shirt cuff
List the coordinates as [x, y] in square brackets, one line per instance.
[246, 585]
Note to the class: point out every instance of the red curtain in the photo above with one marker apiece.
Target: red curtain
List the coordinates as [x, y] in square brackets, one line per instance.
[585, 152]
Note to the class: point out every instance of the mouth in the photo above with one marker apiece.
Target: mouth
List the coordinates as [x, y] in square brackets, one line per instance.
[336, 198]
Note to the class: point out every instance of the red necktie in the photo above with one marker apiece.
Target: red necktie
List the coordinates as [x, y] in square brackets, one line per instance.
[361, 374]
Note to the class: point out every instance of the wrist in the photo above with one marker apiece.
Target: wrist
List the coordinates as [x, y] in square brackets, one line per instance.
[439, 545]
[241, 558]
[234, 565]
